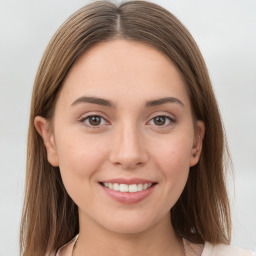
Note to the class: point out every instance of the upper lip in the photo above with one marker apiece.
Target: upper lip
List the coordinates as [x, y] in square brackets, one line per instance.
[128, 181]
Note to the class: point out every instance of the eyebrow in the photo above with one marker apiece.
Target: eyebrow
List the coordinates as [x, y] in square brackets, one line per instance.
[93, 100]
[163, 101]
[108, 103]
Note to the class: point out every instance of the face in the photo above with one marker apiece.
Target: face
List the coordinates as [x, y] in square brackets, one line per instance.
[123, 136]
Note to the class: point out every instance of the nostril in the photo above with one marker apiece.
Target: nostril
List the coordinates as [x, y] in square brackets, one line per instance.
[128, 153]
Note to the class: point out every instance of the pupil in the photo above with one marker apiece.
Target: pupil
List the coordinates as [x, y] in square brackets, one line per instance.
[94, 120]
[159, 120]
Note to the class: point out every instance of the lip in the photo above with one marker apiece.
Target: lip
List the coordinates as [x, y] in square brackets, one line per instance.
[126, 197]
[128, 181]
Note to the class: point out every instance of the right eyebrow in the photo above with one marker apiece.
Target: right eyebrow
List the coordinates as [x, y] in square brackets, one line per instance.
[93, 100]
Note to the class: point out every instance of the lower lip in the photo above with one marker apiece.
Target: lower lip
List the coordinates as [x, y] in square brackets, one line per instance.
[127, 197]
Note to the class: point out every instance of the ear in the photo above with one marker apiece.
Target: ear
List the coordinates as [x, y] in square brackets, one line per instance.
[43, 128]
[198, 143]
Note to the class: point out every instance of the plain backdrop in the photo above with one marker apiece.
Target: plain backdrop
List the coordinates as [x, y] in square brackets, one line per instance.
[226, 34]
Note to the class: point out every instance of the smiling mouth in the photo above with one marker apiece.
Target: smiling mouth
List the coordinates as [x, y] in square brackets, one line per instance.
[130, 188]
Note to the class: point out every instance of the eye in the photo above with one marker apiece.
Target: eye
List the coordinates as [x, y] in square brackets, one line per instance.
[93, 121]
[161, 120]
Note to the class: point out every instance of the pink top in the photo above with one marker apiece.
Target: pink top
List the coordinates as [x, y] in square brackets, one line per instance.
[190, 249]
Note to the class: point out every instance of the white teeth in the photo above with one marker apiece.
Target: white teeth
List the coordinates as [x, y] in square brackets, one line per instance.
[116, 187]
[133, 188]
[140, 187]
[123, 188]
[127, 188]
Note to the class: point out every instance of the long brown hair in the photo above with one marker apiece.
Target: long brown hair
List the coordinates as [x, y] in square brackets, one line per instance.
[50, 217]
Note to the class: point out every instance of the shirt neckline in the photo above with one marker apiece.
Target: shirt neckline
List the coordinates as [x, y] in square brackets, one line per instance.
[191, 249]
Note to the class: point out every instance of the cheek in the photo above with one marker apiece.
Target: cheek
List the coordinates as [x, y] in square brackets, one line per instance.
[175, 167]
[79, 158]
[174, 154]
[173, 161]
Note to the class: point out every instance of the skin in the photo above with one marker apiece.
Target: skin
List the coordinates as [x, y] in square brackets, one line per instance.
[128, 142]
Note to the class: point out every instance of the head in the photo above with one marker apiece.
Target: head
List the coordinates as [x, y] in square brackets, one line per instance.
[200, 210]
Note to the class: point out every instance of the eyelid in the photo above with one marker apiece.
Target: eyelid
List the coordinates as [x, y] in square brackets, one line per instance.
[84, 117]
[171, 118]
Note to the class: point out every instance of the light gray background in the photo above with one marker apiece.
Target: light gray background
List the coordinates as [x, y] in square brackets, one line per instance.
[226, 34]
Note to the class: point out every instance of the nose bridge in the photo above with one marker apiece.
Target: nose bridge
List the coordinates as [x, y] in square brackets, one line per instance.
[128, 149]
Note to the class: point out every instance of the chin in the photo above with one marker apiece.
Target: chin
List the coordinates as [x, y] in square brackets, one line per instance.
[127, 228]
[130, 224]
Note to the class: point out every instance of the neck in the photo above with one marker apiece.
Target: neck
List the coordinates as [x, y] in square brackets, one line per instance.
[158, 240]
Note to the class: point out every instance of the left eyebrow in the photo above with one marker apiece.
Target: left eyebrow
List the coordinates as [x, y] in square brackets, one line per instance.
[163, 101]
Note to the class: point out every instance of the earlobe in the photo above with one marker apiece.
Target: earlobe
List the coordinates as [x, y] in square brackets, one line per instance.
[198, 143]
[43, 128]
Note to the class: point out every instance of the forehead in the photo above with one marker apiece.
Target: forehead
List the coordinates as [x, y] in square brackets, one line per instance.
[122, 68]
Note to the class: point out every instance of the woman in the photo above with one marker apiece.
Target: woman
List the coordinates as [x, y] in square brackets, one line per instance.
[125, 143]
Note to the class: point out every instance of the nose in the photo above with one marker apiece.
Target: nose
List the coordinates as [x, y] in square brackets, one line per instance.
[128, 148]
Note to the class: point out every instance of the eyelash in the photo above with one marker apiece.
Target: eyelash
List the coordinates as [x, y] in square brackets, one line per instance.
[82, 120]
[170, 119]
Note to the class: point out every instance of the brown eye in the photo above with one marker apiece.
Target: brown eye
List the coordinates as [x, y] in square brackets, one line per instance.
[160, 120]
[93, 121]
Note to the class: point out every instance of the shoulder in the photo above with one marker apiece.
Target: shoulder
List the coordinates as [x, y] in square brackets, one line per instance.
[66, 249]
[225, 250]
